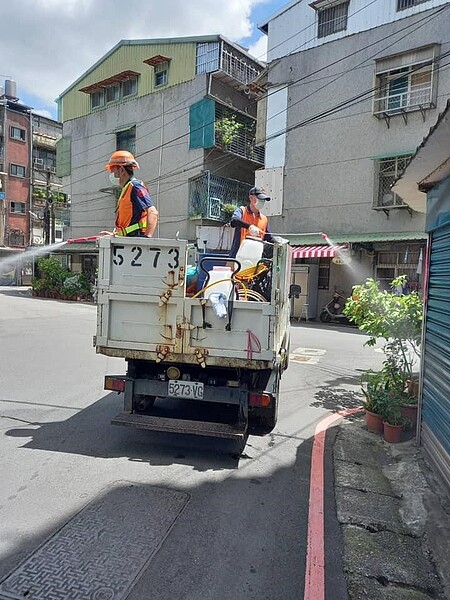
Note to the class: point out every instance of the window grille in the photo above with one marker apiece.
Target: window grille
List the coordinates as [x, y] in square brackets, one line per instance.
[332, 19]
[408, 88]
[16, 238]
[207, 58]
[388, 170]
[403, 4]
[399, 260]
[209, 193]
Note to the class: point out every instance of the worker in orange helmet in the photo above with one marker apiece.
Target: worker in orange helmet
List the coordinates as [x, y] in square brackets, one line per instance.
[136, 215]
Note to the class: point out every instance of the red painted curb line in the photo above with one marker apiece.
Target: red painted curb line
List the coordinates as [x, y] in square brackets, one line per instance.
[315, 548]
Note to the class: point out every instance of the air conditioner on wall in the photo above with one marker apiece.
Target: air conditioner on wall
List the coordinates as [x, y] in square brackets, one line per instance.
[38, 240]
[52, 169]
[38, 162]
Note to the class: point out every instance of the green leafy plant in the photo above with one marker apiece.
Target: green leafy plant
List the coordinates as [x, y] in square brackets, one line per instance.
[228, 128]
[228, 210]
[396, 320]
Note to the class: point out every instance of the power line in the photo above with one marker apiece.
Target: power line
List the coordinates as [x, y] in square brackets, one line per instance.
[348, 103]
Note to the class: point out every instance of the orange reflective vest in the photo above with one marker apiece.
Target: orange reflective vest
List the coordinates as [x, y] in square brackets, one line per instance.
[125, 211]
[259, 220]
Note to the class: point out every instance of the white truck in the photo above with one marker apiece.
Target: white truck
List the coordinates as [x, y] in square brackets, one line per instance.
[180, 352]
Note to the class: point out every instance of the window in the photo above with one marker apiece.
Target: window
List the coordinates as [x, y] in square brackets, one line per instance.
[17, 170]
[113, 93]
[324, 273]
[18, 208]
[129, 87]
[126, 140]
[403, 4]
[207, 58]
[387, 171]
[396, 260]
[332, 19]
[16, 133]
[44, 159]
[98, 99]
[405, 82]
[16, 238]
[161, 74]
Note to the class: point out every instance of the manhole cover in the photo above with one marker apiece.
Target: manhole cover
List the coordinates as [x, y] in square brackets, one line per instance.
[99, 553]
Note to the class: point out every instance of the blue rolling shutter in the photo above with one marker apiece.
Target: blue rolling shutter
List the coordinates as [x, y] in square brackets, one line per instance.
[201, 124]
[435, 424]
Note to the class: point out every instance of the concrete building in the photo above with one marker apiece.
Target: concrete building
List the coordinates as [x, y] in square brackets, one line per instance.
[28, 184]
[183, 107]
[351, 87]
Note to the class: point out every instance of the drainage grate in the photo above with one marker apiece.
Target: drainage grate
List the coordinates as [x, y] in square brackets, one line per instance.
[99, 554]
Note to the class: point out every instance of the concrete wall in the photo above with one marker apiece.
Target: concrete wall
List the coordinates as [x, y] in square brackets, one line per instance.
[294, 28]
[330, 171]
[159, 118]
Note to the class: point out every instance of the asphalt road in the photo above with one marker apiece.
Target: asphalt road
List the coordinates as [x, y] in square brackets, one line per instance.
[184, 517]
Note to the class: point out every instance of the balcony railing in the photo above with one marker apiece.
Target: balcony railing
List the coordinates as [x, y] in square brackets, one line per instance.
[237, 65]
[236, 134]
[213, 197]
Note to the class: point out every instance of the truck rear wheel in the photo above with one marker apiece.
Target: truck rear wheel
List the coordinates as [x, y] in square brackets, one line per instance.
[141, 402]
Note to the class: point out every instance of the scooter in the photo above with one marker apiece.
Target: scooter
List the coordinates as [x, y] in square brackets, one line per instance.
[333, 310]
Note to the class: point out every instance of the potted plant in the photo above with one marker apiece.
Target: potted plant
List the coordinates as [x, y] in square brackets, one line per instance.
[396, 321]
[392, 422]
[227, 129]
[374, 395]
[228, 210]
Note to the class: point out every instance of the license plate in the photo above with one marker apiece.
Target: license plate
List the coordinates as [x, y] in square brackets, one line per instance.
[185, 389]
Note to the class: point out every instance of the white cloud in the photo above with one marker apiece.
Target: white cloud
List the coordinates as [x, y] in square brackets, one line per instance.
[59, 41]
[259, 48]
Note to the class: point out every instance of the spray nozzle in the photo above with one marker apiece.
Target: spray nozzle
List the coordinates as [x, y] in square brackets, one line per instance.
[324, 235]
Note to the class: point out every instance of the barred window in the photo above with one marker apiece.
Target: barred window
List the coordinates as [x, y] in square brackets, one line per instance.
[332, 19]
[403, 4]
[387, 171]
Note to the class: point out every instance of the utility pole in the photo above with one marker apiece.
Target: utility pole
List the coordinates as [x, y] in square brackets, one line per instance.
[49, 215]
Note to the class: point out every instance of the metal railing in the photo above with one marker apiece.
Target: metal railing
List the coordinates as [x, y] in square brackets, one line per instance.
[238, 136]
[414, 97]
[237, 65]
[209, 194]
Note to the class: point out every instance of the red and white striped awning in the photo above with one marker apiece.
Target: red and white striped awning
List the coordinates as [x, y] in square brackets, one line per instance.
[318, 251]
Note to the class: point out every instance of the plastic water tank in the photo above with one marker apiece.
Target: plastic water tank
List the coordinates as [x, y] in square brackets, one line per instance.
[250, 252]
[216, 275]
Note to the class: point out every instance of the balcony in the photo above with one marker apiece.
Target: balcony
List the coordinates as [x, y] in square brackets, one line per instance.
[236, 134]
[227, 63]
[215, 198]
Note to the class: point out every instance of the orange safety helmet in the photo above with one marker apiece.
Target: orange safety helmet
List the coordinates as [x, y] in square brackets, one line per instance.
[122, 158]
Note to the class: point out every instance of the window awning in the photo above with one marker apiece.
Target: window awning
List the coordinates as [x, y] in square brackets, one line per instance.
[318, 251]
[114, 80]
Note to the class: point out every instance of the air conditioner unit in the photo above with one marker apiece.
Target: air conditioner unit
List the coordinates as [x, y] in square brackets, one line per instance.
[52, 169]
[38, 162]
[38, 240]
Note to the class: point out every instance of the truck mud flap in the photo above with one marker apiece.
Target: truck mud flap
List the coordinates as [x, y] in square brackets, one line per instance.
[236, 431]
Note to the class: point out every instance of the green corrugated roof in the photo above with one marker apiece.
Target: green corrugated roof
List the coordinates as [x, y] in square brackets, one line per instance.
[297, 239]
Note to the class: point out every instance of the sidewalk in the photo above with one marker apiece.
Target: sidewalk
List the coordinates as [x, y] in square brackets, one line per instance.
[395, 518]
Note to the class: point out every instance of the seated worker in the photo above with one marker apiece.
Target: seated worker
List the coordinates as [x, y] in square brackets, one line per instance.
[248, 220]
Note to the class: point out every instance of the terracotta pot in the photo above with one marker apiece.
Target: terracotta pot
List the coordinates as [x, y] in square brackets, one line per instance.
[392, 433]
[374, 422]
[409, 411]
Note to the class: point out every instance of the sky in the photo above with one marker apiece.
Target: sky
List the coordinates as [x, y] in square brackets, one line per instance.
[46, 45]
